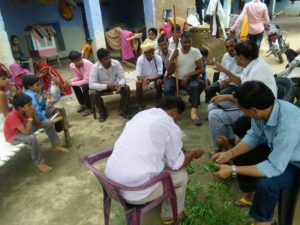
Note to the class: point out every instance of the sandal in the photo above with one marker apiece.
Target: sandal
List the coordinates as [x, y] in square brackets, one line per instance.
[242, 202]
[197, 122]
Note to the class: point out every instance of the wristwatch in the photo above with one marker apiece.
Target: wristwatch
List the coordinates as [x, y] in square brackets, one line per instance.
[233, 173]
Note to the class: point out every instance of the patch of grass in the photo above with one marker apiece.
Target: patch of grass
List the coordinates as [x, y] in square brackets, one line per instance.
[213, 206]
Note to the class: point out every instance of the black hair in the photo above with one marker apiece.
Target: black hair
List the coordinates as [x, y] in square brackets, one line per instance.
[20, 99]
[102, 53]
[171, 102]
[177, 27]
[12, 37]
[254, 94]
[74, 55]
[204, 51]
[241, 126]
[162, 38]
[153, 29]
[186, 34]
[29, 81]
[230, 39]
[248, 49]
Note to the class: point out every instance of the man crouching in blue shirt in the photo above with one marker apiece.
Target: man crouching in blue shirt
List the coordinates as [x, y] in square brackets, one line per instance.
[276, 123]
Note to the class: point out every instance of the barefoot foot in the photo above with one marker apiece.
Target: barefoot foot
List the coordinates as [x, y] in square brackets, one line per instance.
[58, 148]
[44, 168]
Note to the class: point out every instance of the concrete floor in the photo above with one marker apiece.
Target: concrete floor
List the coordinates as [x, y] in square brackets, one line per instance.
[70, 194]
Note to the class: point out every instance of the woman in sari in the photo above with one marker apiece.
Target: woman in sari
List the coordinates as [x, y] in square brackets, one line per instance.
[52, 82]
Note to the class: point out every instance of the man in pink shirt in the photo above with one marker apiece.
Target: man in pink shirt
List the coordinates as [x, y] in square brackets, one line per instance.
[81, 69]
[258, 16]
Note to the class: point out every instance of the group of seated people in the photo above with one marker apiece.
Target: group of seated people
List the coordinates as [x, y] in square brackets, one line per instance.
[246, 85]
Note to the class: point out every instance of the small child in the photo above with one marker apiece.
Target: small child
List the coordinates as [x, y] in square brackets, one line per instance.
[20, 125]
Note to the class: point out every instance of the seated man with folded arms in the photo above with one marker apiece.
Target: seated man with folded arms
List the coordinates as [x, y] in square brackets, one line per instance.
[224, 85]
[20, 125]
[81, 69]
[149, 71]
[107, 77]
[189, 64]
[156, 132]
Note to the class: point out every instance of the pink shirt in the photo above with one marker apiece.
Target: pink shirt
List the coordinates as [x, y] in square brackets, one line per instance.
[81, 75]
[257, 13]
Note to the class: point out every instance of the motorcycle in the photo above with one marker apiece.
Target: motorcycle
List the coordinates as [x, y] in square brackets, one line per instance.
[276, 39]
[293, 73]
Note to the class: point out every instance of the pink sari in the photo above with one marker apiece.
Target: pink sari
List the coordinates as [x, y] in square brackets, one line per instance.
[17, 73]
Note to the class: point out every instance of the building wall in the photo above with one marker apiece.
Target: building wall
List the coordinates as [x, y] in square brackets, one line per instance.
[180, 8]
[288, 8]
[17, 16]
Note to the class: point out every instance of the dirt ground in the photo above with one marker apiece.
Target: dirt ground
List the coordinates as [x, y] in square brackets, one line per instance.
[70, 194]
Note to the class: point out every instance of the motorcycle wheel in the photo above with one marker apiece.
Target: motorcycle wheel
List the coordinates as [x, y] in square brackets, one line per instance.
[279, 55]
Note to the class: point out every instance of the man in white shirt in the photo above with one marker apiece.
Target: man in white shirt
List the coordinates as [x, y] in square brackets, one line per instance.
[149, 141]
[223, 111]
[224, 85]
[164, 52]
[175, 37]
[189, 65]
[107, 77]
[149, 72]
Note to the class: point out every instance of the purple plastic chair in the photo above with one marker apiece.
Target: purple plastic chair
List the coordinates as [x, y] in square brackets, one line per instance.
[111, 190]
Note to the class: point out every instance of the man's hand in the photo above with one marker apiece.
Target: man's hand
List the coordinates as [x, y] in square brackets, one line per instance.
[224, 84]
[232, 32]
[219, 67]
[67, 85]
[111, 87]
[222, 157]
[45, 95]
[184, 81]
[223, 141]
[224, 171]
[217, 99]
[197, 153]
[118, 89]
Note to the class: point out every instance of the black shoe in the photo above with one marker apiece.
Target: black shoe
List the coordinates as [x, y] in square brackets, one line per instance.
[102, 118]
[87, 112]
[125, 115]
[81, 108]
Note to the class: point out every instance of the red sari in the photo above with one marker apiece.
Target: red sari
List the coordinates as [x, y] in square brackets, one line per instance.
[47, 80]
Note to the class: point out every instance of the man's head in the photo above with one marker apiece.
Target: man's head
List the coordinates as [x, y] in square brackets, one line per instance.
[152, 33]
[4, 81]
[163, 44]
[204, 52]
[22, 102]
[148, 48]
[174, 106]
[76, 58]
[229, 45]
[255, 99]
[186, 40]
[104, 57]
[246, 52]
[31, 82]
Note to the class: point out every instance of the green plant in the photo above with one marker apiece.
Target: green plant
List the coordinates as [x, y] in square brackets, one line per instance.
[212, 207]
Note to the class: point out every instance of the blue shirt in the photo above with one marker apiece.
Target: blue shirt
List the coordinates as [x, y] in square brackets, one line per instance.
[282, 134]
[40, 106]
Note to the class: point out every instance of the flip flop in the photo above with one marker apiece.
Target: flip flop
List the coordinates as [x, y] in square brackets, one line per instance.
[197, 122]
[242, 202]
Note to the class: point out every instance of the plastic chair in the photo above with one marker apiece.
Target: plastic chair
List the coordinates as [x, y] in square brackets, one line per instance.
[111, 190]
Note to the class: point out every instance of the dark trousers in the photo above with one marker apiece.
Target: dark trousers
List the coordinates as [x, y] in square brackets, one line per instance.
[96, 98]
[82, 95]
[256, 38]
[195, 86]
[139, 91]
[215, 87]
[267, 189]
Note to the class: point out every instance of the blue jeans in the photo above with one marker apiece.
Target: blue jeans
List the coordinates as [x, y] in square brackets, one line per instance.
[256, 38]
[268, 192]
